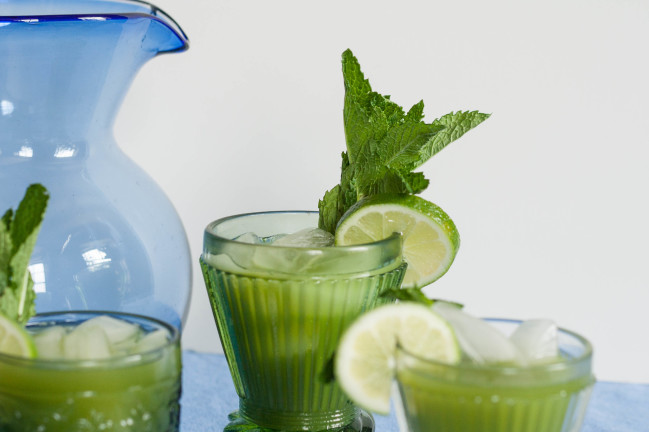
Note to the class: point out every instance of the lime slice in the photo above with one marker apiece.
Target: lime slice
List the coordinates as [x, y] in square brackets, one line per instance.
[430, 239]
[365, 359]
[14, 340]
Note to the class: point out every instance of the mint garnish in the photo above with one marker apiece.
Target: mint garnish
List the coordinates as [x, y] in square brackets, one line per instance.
[414, 295]
[385, 144]
[18, 233]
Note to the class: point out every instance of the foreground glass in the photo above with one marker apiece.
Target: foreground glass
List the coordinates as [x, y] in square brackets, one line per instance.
[280, 312]
[551, 397]
[130, 393]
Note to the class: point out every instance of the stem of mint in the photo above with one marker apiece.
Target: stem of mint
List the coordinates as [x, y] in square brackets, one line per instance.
[18, 234]
[385, 144]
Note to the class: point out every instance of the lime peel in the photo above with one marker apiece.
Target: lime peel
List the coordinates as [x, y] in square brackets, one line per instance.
[14, 339]
[365, 361]
[430, 238]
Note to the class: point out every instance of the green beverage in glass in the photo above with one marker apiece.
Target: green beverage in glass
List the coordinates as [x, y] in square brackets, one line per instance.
[546, 396]
[280, 311]
[124, 375]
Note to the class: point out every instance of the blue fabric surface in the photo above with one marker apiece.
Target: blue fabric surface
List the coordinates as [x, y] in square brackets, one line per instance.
[209, 396]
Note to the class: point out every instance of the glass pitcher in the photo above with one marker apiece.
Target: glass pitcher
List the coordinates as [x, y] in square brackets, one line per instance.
[110, 240]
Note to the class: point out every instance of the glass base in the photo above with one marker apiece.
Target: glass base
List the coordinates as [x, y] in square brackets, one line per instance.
[364, 422]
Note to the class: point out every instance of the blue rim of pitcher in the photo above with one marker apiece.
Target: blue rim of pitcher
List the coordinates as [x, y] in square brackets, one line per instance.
[154, 13]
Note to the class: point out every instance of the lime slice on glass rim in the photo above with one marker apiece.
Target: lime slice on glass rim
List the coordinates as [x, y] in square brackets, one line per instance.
[365, 360]
[430, 238]
[14, 340]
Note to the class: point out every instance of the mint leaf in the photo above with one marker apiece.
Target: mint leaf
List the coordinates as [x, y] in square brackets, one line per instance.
[401, 147]
[7, 218]
[18, 234]
[396, 182]
[5, 253]
[408, 294]
[29, 216]
[328, 209]
[455, 125]
[327, 375]
[385, 144]
[415, 295]
[338, 199]
[452, 303]
[416, 113]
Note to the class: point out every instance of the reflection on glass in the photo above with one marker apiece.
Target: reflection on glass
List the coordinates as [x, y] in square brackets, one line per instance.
[96, 259]
[64, 152]
[6, 107]
[38, 276]
[25, 151]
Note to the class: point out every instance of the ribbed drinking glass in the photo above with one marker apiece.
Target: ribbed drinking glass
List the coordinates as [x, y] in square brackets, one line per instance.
[280, 312]
[137, 392]
[469, 397]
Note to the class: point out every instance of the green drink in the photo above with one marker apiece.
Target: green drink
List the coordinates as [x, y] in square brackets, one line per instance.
[280, 312]
[467, 397]
[137, 391]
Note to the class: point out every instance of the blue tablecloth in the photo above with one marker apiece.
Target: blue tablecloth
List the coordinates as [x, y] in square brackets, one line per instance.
[208, 397]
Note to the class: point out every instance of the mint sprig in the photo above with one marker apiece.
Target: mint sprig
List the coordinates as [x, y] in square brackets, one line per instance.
[18, 234]
[385, 144]
[414, 295]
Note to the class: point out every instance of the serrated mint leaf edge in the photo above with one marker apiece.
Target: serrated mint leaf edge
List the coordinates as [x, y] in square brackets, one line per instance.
[19, 233]
[369, 118]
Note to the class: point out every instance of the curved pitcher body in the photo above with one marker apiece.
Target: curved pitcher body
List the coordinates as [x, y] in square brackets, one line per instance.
[111, 239]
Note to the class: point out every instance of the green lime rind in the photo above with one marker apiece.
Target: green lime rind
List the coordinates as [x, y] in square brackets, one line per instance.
[366, 357]
[412, 207]
[15, 340]
[414, 202]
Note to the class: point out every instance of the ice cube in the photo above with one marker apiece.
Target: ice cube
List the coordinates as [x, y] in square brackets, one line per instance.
[288, 259]
[123, 348]
[151, 341]
[236, 257]
[537, 340]
[479, 340]
[86, 343]
[117, 331]
[248, 237]
[49, 342]
[307, 238]
[272, 238]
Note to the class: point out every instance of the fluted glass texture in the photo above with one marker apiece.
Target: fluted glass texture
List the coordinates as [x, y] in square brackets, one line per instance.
[127, 393]
[280, 312]
[552, 397]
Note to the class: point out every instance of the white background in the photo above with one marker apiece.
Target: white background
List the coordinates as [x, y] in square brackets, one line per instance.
[549, 194]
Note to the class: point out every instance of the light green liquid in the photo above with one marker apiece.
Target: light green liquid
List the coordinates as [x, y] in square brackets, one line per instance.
[279, 336]
[280, 312]
[436, 406]
[110, 396]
